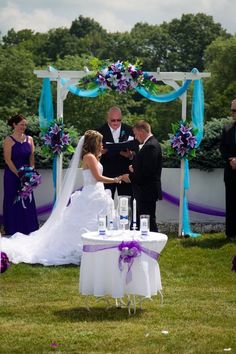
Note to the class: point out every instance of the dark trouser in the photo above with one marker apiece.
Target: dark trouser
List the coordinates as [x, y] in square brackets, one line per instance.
[230, 220]
[147, 208]
[122, 188]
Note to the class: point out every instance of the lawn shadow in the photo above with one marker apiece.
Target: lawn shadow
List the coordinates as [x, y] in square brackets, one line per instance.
[95, 314]
[213, 242]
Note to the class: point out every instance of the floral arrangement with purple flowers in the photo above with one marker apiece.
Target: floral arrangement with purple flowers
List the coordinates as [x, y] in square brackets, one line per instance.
[56, 139]
[119, 76]
[129, 250]
[5, 264]
[29, 180]
[183, 141]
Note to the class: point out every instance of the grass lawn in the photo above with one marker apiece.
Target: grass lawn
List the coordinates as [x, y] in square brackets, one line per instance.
[42, 312]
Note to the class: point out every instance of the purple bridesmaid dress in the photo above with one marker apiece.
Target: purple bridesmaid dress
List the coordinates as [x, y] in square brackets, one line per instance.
[16, 218]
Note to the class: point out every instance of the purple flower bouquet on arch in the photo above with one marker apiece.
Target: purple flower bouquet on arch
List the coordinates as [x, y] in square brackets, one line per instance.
[119, 76]
[182, 143]
[56, 139]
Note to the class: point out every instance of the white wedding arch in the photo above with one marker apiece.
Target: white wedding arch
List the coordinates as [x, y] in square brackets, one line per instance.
[66, 79]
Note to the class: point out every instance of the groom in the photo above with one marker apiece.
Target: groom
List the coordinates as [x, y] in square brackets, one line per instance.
[145, 173]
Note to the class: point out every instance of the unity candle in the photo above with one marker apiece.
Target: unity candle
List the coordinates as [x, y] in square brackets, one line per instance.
[124, 210]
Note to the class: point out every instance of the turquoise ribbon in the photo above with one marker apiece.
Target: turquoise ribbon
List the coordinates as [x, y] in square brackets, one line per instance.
[197, 114]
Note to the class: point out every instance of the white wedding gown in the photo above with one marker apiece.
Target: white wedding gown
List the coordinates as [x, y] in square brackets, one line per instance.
[60, 243]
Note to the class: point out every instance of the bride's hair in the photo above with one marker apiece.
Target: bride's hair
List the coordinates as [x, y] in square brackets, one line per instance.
[92, 141]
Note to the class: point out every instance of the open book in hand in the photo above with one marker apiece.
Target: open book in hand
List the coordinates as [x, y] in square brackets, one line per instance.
[129, 144]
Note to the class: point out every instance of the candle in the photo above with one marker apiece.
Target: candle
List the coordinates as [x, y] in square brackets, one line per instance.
[134, 212]
[124, 210]
[144, 224]
[102, 224]
[111, 215]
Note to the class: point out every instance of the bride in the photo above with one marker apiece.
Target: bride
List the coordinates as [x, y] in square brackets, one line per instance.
[58, 241]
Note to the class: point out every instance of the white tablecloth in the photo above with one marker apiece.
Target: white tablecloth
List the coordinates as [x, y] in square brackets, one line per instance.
[100, 274]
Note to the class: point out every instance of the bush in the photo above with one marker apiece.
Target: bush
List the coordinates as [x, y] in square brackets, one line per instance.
[33, 129]
[208, 154]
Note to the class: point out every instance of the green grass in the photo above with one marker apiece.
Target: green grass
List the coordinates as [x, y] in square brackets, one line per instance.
[41, 305]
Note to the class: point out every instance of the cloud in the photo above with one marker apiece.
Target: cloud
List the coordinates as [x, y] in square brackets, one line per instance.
[122, 15]
[39, 20]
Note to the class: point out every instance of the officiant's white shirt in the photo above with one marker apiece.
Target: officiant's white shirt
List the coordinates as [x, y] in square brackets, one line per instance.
[115, 133]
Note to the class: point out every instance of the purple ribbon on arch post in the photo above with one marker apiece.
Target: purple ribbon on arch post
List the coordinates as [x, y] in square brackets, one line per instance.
[129, 250]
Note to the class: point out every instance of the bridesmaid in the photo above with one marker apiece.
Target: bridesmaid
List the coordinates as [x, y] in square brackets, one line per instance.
[18, 151]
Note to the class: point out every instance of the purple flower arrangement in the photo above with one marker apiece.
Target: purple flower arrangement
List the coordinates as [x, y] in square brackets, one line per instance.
[183, 141]
[56, 140]
[29, 179]
[119, 76]
[5, 264]
[128, 252]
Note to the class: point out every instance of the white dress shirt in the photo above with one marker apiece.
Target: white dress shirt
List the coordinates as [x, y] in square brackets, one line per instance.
[115, 133]
[141, 145]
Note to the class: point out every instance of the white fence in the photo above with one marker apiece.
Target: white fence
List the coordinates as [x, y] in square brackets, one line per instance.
[206, 193]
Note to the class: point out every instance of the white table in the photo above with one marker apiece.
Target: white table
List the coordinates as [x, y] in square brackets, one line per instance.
[100, 274]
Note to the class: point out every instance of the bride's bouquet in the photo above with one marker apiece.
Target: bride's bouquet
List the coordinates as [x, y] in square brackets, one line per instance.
[29, 180]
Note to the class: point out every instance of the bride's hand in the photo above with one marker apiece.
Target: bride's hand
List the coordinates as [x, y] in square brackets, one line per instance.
[118, 179]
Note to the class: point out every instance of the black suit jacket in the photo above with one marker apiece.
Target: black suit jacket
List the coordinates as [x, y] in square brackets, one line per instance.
[113, 163]
[146, 178]
[228, 148]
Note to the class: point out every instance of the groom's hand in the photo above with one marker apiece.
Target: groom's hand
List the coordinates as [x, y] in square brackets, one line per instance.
[125, 178]
[127, 153]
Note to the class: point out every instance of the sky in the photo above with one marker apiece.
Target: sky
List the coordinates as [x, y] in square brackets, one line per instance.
[121, 15]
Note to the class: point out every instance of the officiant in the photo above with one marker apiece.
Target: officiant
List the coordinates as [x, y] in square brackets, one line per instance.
[119, 146]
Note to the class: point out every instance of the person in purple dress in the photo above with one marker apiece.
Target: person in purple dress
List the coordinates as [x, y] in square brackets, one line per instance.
[18, 151]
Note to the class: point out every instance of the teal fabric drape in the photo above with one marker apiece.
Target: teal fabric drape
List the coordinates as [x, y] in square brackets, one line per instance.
[198, 109]
[168, 97]
[197, 115]
[46, 113]
[156, 98]
[46, 116]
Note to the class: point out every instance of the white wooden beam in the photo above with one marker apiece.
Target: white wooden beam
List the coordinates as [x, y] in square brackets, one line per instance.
[160, 76]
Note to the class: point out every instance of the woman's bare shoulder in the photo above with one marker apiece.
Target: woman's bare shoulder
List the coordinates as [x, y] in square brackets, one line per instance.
[8, 140]
[30, 138]
[89, 156]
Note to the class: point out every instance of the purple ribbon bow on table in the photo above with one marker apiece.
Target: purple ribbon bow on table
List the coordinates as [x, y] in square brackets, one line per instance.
[129, 250]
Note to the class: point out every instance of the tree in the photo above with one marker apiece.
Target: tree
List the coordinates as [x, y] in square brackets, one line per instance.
[221, 87]
[150, 45]
[190, 36]
[18, 85]
[83, 26]
[59, 44]
[13, 38]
